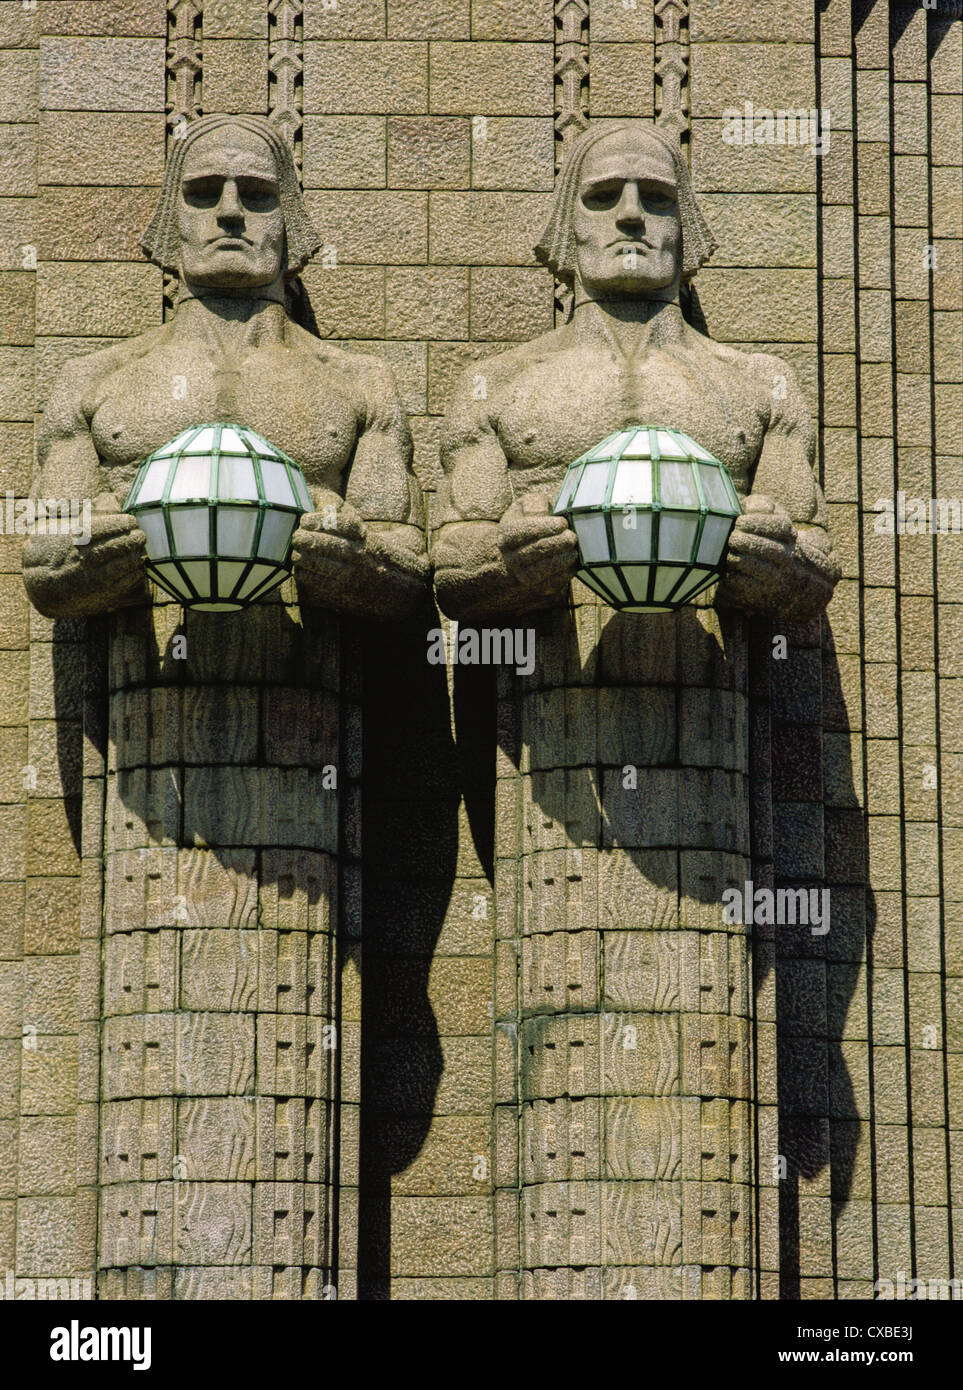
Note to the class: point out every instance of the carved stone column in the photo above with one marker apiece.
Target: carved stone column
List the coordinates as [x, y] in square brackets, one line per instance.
[220, 987]
[623, 800]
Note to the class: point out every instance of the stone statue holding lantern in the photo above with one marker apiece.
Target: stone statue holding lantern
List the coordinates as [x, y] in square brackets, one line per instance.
[231, 224]
[622, 809]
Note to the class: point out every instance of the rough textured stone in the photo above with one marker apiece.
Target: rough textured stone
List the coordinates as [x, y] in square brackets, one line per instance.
[349, 78]
[516, 78]
[102, 74]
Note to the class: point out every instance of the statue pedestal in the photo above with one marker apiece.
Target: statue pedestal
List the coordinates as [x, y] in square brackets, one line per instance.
[625, 1114]
[221, 1035]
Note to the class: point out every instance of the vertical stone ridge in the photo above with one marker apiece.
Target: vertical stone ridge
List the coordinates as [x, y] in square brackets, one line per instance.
[672, 64]
[571, 97]
[184, 70]
[286, 68]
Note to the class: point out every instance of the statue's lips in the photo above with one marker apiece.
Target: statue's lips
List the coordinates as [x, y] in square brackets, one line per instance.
[230, 243]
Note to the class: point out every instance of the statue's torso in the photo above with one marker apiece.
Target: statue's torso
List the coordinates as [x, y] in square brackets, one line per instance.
[300, 402]
[560, 402]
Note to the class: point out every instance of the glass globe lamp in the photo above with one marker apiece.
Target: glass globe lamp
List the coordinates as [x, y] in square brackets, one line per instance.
[653, 512]
[218, 506]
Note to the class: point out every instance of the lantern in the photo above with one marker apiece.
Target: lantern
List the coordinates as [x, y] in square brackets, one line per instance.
[653, 512]
[218, 506]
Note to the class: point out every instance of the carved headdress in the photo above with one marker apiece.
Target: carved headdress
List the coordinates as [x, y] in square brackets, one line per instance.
[556, 249]
[161, 240]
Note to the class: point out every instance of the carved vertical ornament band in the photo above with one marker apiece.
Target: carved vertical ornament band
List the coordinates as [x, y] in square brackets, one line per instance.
[286, 68]
[571, 72]
[672, 64]
[183, 88]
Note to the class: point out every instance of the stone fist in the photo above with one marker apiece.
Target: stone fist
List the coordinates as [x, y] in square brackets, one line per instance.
[68, 579]
[540, 550]
[773, 568]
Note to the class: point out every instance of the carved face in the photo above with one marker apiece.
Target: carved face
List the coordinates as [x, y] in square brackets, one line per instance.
[229, 212]
[628, 235]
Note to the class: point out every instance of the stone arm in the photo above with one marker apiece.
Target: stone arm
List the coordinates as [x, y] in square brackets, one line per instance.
[780, 561]
[364, 554]
[65, 577]
[494, 555]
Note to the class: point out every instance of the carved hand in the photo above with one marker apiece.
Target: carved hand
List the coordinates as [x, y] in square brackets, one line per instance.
[344, 564]
[65, 579]
[773, 568]
[540, 550]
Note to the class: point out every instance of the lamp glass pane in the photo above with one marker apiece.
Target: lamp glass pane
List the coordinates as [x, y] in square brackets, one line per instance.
[633, 542]
[193, 478]
[633, 482]
[199, 573]
[568, 487]
[612, 580]
[202, 443]
[169, 576]
[175, 446]
[257, 577]
[228, 574]
[677, 533]
[694, 581]
[235, 530]
[591, 488]
[231, 442]
[637, 579]
[276, 536]
[669, 448]
[277, 577]
[191, 530]
[277, 487]
[638, 447]
[152, 487]
[300, 486]
[605, 449]
[715, 532]
[665, 581]
[235, 479]
[677, 486]
[592, 539]
[713, 485]
[152, 525]
[698, 450]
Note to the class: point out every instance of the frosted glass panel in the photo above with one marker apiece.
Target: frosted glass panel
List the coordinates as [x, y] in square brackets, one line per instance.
[155, 478]
[235, 530]
[591, 488]
[633, 543]
[714, 488]
[193, 478]
[199, 573]
[592, 540]
[169, 575]
[235, 479]
[610, 578]
[231, 442]
[228, 574]
[637, 578]
[665, 582]
[301, 488]
[714, 535]
[175, 445]
[277, 488]
[203, 443]
[668, 448]
[633, 482]
[693, 582]
[257, 577]
[677, 536]
[639, 446]
[276, 535]
[568, 487]
[191, 528]
[698, 450]
[677, 486]
[152, 525]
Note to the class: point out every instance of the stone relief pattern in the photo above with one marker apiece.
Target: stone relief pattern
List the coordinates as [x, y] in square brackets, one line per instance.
[571, 97]
[634, 1096]
[671, 65]
[184, 89]
[220, 1037]
[286, 71]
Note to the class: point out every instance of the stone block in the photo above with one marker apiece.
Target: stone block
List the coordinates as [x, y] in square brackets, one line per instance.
[510, 303]
[719, 167]
[769, 230]
[441, 1236]
[355, 78]
[426, 303]
[17, 307]
[757, 306]
[423, 19]
[352, 223]
[770, 75]
[48, 1155]
[719, 20]
[18, 160]
[345, 152]
[362, 19]
[236, 75]
[138, 18]
[102, 74]
[498, 79]
[908, 112]
[486, 228]
[18, 84]
[16, 384]
[82, 297]
[46, 1229]
[98, 147]
[16, 459]
[48, 1083]
[513, 152]
[348, 299]
[234, 19]
[49, 995]
[617, 85]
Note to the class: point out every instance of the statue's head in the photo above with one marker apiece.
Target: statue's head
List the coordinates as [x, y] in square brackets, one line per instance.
[625, 221]
[231, 218]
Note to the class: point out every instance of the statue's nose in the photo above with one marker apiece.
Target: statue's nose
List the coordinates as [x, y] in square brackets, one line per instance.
[230, 204]
[630, 204]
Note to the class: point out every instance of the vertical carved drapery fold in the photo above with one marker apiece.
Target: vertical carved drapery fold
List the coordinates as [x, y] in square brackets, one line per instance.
[286, 69]
[671, 64]
[183, 87]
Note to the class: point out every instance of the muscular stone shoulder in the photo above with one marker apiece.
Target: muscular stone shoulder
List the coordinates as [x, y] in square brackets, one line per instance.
[372, 376]
[76, 384]
[481, 382]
